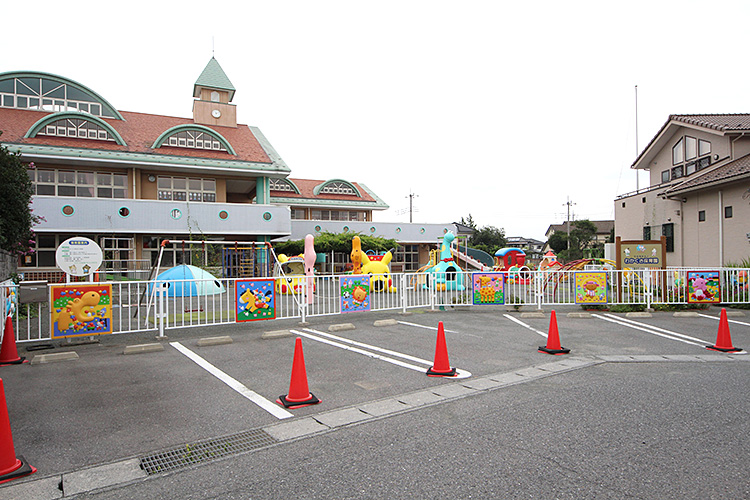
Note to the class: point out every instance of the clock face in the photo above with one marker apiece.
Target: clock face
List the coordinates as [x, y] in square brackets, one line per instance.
[216, 113]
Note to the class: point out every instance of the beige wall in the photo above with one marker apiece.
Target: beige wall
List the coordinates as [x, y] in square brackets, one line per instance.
[702, 245]
[663, 160]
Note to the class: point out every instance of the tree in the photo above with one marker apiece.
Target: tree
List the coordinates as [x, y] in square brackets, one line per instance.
[489, 239]
[558, 241]
[16, 217]
[582, 238]
[469, 222]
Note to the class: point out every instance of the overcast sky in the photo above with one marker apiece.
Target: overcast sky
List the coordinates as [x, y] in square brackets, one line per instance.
[501, 110]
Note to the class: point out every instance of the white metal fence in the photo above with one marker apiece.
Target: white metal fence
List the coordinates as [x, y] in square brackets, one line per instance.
[143, 306]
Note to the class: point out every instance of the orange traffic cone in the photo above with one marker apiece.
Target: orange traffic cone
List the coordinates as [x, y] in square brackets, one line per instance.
[723, 338]
[553, 339]
[299, 394]
[11, 467]
[8, 352]
[441, 367]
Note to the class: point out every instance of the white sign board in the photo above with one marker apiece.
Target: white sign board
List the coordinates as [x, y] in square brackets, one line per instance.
[78, 256]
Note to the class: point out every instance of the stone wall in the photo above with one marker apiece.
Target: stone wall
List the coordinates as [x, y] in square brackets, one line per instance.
[8, 265]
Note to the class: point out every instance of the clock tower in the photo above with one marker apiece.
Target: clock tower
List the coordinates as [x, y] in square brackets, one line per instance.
[213, 93]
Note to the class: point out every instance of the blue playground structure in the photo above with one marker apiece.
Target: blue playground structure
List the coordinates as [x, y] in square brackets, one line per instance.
[446, 271]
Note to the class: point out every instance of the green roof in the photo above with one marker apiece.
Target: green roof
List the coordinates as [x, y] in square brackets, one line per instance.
[213, 77]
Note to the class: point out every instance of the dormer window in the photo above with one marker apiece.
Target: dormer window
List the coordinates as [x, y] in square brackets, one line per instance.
[338, 188]
[281, 185]
[194, 139]
[76, 127]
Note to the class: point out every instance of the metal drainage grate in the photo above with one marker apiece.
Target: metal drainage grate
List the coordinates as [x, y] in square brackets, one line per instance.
[203, 451]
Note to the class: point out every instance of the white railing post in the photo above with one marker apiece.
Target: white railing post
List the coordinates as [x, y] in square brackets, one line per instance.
[647, 284]
[303, 303]
[161, 311]
[404, 291]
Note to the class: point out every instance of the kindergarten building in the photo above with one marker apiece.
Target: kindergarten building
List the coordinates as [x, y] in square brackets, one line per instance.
[129, 180]
[699, 191]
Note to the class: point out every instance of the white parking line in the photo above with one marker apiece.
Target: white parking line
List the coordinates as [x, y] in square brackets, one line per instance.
[717, 318]
[313, 335]
[256, 398]
[515, 320]
[425, 327]
[652, 330]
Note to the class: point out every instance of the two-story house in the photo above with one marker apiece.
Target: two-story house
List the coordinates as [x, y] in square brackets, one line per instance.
[699, 191]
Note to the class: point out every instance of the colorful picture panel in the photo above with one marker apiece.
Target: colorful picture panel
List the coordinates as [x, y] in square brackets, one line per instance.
[591, 287]
[703, 287]
[81, 310]
[255, 300]
[355, 293]
[488, 288]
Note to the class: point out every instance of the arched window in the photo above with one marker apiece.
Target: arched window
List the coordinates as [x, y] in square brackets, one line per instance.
[282, 185]
[75, 125]
[47, 92]
[337, 186]
[194, 137]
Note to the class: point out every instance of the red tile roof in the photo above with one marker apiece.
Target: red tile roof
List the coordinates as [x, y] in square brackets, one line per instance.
[139, 131]
[733, 171]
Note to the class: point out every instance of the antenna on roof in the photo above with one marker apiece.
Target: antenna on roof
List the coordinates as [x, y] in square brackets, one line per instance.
[637, 183]
[213, 47]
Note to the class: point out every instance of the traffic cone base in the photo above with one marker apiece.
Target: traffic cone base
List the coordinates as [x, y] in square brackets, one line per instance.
[21, 469]
[556, 352]
[723, 349]
[450, 373]
[723, 337]
[286, 403]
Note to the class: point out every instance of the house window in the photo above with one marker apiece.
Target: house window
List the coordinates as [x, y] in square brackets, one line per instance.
[342, 215]
[78, 183]
[182, 189]
[701, 216]
[408, 255]
[727, 212]
[668, 231]
[298, 213]
[688, 156]
[678, 154]
[647, 233]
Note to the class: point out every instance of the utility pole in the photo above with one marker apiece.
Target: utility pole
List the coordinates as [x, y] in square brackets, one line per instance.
[569, 204]
[411, 207]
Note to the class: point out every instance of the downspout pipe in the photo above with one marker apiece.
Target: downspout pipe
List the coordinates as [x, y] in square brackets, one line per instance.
[721, 228]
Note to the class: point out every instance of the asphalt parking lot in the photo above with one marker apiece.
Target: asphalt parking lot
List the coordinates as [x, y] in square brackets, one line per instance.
[639, 408]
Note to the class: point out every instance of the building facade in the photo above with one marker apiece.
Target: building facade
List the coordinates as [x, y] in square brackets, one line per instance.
[699, 191]
[130, 180]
